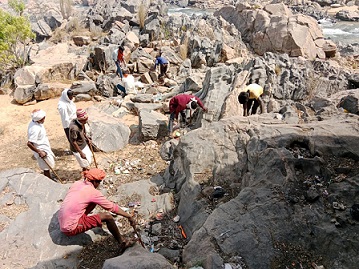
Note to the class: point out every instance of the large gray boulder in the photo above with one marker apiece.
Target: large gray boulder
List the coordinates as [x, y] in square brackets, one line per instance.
[34, 232]
[137, 258]
[283, 184]
[84, 87]
[64, 64]
[24, 94]
[274, 28]
[46, 91]
[153, 125]
[217, 84]
[107, 132]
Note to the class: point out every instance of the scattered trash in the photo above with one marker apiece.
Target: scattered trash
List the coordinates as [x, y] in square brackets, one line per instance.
[160, 215]
[354, 211]
[218, 192]
[157, 97]
[176, 219]
[224, 233]
[125, 172]
[132, 204]
[338, 206]
[176, 134]
[126, 209]
[153, 200]
[182, 232]
[317, 266]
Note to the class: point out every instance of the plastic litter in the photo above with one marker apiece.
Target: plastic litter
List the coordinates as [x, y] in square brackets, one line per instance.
[176, 219]
[218, 192]
[132, 204]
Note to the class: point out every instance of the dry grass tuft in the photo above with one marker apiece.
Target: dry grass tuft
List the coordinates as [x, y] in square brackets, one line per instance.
[142, 15]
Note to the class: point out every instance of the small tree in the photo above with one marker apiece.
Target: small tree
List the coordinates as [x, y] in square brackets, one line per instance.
[15, 33]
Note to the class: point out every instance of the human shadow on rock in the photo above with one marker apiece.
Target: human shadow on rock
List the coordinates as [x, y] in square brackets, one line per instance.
[61, 239]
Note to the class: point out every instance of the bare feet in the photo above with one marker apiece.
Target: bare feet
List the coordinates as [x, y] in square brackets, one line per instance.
[127, 243]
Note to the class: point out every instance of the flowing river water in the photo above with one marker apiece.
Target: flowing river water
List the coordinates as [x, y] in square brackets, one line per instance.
[340, 32]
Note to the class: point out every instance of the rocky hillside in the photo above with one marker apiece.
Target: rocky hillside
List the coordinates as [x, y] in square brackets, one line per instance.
[275, 190]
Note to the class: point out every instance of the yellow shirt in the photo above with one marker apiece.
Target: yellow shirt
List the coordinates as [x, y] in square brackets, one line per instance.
[255, 90]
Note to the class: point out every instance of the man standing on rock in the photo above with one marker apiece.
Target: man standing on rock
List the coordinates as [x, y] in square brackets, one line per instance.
[251, 98]
[79, 141]
[118, 57]
[39, 143]
[67, 110]
[81, 199]
[179, 103]
[163, 63]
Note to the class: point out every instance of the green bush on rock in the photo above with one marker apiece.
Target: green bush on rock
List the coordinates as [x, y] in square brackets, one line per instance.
[15, 33]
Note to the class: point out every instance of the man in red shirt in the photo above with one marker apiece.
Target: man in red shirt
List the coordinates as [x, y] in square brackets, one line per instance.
[179, 103]
[81, 199]
[117, 56]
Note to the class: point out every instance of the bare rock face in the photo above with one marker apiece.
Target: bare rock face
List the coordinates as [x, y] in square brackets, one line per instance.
[289, 189]
[108, 133]
[153, 125]
[274, 28]
[137, 257]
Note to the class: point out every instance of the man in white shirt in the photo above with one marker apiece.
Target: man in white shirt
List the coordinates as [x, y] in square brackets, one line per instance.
[67, 109]
[39, 143]
[129, 84]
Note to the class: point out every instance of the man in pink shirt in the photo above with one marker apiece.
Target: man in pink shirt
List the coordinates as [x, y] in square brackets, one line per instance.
[81, 199]
[179, 103]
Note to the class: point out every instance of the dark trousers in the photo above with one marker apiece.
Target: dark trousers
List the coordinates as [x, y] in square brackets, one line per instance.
[172, 117]
[67, 132]
[254, 104]
[122, 89]
[119, 70]
[163, 69]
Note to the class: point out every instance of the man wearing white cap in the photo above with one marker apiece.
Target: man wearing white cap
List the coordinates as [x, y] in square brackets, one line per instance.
[79, 140]
[39, 143]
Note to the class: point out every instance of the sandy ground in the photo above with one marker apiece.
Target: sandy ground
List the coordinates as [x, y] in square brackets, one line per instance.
[15, 153]
[13, 134]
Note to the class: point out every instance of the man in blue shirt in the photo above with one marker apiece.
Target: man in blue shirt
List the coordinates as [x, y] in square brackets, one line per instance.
[163, 63]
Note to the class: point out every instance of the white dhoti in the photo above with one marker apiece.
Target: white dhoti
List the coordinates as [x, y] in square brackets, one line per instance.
[84, 163]
[49, 159]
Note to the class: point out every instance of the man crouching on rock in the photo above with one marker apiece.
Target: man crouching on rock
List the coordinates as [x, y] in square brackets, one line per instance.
[81, 199]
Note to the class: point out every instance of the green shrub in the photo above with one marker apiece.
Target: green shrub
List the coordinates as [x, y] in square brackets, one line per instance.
[15, 33]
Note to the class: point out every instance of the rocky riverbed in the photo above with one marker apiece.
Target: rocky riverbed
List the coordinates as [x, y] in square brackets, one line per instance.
[273, 190]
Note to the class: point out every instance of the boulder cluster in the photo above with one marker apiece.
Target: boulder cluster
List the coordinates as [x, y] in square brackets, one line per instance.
[288, 178]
